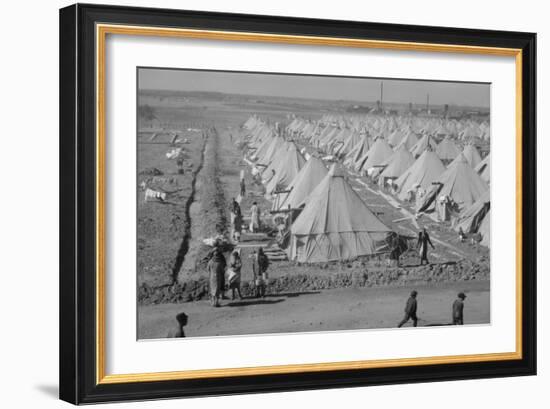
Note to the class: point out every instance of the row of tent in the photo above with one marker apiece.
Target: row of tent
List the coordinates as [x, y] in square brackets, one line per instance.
[393, 128]
[324, 229]
[334, 223]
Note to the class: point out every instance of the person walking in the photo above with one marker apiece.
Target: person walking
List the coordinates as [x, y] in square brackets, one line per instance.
[458, 309]
[237, 228]
[259, 268]
[243, 187]
[234, 276]
[410, 310]
[423, 241]
[216, 269]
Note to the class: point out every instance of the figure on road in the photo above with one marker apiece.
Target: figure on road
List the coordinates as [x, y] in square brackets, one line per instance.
[458, 309]
[410, 310]
[259, 268]
[234, 274]
[254, 218]
[216, 269]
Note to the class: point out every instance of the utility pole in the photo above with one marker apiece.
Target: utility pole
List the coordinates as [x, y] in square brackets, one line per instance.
[381, 93]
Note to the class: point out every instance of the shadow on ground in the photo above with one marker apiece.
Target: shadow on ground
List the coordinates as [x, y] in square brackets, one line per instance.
[295, 294]
[254, 301]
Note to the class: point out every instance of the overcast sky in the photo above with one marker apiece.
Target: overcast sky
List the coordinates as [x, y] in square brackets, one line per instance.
[316, 87]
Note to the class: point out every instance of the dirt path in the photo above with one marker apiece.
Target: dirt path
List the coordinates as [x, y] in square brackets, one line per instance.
[349, 309]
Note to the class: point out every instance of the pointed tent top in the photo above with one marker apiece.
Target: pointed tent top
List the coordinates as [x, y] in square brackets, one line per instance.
[334, 207]
[379, 152]
[398, 163]
[307, 179]
[462, 183]
[459, 159]
[425, 170]
[472, 155]
[447, 149]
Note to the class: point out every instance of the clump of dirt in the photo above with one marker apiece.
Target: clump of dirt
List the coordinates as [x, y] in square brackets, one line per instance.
[355, 275]
[178, 292]
[151, 172]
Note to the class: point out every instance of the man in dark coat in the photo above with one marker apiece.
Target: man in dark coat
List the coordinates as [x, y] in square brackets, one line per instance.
[410, 310]
[423, 241]
[458, 310]
[235, 207]
[243, 188]
[260, 264]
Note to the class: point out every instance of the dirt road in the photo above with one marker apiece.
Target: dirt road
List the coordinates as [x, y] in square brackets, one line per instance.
[349, 308]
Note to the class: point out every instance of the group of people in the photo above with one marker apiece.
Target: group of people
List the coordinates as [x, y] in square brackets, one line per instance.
[237, 219]
[224, 275]
[457, 310]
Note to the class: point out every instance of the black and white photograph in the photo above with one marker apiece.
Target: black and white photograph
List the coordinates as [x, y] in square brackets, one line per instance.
[279, 203]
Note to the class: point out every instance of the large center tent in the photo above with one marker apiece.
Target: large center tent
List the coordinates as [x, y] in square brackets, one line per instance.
[335, 224]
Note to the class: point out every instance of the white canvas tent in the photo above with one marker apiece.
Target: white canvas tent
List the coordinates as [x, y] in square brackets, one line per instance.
[472, 155]
[447, 150]
[398, 163]
[462, 183]
[379, 152]
[311, 174]
[426, 170]
[335, 224]
[286, 169]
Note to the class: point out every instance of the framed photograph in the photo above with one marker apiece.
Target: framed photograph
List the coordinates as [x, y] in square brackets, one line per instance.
[257, 203]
